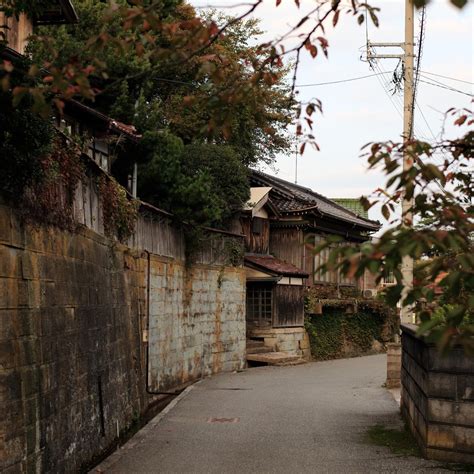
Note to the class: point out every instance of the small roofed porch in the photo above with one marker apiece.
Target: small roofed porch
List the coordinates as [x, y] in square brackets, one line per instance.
[275, 310]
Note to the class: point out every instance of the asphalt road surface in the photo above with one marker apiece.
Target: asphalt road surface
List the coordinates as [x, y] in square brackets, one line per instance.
[310, 418]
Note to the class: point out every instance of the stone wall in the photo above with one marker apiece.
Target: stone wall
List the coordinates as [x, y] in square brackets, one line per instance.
[394, 364]
[74, 313]
[437, 398]
[292, 340]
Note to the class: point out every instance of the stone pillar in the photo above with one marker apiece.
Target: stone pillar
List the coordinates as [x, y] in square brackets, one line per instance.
[394, 364]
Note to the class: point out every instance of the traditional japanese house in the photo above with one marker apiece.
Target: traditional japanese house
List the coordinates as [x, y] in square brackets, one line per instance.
[282, 222]
[104, 138]
[15, 30]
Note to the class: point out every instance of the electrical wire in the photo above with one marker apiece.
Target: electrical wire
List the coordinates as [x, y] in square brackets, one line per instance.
[447, 77]
[374, 66]
[340, 81]
[417, 71]
[433, 82]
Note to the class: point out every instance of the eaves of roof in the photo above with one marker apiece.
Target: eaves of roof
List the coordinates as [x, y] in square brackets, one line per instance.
[292, 199]
[62, 12]
[273, 265]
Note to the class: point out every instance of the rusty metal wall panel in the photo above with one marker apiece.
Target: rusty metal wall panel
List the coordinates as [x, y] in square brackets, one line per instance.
[197, 322]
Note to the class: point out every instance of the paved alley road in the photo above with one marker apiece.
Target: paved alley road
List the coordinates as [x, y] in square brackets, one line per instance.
[304, 419]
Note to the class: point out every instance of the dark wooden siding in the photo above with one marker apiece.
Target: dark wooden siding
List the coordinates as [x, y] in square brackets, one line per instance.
[288, 306]
[309, 257]
[256, 242]
[287, 245]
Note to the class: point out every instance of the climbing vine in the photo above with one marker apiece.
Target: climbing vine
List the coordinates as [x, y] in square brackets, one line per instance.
[48, 199]
[119, 211]
[336, 334]
[347, 326]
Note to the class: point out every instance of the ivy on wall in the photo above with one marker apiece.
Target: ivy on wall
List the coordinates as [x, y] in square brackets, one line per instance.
[336, 334]
[119, 212]
[49, 199]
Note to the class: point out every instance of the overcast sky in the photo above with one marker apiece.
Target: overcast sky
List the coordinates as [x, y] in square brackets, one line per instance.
[361, 111]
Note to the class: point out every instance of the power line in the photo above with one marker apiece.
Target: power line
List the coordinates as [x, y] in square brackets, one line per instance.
[447, 77]
[394, 98]
[424, 119]
[374, 65]
[342, 80]
[444, 86]
[417, 70]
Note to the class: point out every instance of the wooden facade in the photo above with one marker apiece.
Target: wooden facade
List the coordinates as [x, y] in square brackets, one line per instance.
[16, 31]
[291, 221]
[287, 244]
[289, 306]
[257, 234]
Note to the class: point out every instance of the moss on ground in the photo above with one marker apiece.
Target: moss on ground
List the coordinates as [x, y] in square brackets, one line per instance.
[400, 442]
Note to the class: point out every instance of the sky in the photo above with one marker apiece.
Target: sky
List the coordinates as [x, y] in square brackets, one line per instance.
[362, 111]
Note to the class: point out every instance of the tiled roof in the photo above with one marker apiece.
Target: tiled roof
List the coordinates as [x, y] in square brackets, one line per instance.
[274, 265]
[353, 204]
[293, 198]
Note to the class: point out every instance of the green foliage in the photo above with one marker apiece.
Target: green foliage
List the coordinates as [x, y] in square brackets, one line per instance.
[336, 334]
[325, 336]
[39, 168]
[119, 212]
[228, 177]
[144, 78]
[200, 184]
[234, 252]
[441, 243]
[31, 7]
[25, 138]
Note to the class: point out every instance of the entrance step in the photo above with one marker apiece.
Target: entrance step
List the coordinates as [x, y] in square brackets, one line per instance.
[259, 350]
[257, 347]
[275, 358]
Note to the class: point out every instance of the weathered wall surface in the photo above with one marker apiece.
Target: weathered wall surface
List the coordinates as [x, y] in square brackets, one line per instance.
[394, 364]
[197, 326]
[292, 340]
[438, 399]
[73, 309]
[70, 365]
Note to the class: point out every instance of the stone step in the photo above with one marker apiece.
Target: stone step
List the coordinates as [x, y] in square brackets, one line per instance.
[274, 358]
[255, 343]
[259, 349]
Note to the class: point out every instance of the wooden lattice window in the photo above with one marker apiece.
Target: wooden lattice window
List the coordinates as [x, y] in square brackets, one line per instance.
[259, 304]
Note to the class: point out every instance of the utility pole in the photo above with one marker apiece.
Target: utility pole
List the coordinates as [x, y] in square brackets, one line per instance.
[406, 313]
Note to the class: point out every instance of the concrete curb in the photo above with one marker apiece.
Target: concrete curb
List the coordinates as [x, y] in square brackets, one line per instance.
[140, 436]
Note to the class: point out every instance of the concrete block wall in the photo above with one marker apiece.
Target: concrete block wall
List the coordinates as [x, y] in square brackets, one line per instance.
[73, 309]
[437, 398]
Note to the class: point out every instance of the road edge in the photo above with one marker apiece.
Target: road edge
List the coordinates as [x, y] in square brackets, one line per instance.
[140, 436]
